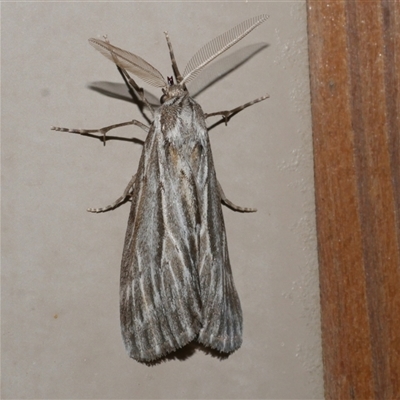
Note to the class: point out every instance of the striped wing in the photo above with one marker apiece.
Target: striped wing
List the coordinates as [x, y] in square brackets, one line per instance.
[221, 310]
[176, 282]
[160, 301]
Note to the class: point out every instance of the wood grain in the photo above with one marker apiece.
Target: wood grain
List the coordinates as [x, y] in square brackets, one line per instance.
[354, 50]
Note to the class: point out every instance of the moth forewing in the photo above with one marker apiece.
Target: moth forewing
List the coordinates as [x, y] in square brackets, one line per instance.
[176, 280]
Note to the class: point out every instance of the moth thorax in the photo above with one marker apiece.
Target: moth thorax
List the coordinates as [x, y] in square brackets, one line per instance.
[172, 91]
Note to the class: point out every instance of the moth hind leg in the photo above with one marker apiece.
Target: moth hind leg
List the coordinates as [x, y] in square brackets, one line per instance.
[231, 205]
[117, 202]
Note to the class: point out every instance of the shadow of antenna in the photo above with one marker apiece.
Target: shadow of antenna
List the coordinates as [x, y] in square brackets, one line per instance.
[120, 91]
[223, 67]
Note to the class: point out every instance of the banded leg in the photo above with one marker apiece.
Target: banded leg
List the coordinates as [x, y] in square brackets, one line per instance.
[137, 88]
[231, 205]
[119, 201]
[228, 114]
[102, 131]
[175, 68]
[128, 80]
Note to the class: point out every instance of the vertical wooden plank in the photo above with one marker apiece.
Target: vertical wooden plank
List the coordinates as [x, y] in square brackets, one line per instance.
[354, 69]
[391, 38]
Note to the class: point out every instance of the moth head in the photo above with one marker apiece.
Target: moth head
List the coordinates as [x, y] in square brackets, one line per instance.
[172, 90]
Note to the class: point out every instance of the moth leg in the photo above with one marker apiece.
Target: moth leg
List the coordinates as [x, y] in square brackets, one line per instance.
[228, 114]
[131, 83]
[231, 205]
[119, 201]
[175, 68]
[137, 88]
[102, 131]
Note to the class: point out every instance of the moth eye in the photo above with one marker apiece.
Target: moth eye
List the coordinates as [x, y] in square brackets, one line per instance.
[163, 98]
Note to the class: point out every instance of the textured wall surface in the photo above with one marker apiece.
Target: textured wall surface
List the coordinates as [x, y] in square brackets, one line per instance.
[60, 264]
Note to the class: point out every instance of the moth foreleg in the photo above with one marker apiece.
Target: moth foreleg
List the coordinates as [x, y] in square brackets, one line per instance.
[119, 201]
[131, 82]
[102, 131]
[231, 205]
[228, 114]
[175, 68]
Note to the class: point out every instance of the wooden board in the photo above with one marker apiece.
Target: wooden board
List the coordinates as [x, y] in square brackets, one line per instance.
[354, 50]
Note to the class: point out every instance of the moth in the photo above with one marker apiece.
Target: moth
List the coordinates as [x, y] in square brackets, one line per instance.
[176, 282]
